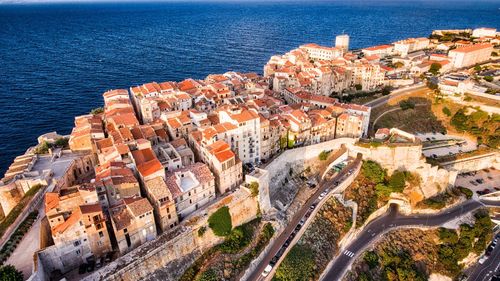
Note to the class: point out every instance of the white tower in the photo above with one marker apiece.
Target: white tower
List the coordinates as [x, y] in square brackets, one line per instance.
[342, 42]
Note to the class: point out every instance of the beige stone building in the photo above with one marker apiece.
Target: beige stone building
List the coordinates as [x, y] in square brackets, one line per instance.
[192, 187]
[224, 164]
[117, 181]
[77, 226]
[133, 223]
[163, 203]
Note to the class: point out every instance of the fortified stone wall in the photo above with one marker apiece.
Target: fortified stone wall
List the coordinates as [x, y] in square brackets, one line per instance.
[474, 163]
[296, 158]
[166, 257]
[407, 157]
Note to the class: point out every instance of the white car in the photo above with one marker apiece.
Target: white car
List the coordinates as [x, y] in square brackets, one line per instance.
[267, 270]
[483, 259]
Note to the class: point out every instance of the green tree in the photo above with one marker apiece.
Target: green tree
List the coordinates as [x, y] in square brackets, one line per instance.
[254, 188]
[97, 110]
[10, 273]
[434, 69]
[371, 258]
[488, 78]
[397, 181]
[448, 236]
[358, 87]
[446, 111]
[386, 90]
[299, 264]
[323, 155]
[373, 171]
[208, 275]
[220, 222]
[477, 68]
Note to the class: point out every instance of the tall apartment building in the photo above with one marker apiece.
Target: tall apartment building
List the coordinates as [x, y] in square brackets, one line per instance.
[224, 164]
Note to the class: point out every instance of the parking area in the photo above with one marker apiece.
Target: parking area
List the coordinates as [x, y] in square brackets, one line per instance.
[482, 182]
[437, 144]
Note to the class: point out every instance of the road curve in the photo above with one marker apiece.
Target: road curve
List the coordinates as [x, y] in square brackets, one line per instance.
[389, 221]
[400, 92]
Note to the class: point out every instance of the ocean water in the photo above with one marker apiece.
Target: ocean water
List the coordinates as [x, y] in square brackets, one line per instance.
[57, 59]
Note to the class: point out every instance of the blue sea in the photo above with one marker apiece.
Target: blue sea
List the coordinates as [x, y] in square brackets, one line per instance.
[57, 59]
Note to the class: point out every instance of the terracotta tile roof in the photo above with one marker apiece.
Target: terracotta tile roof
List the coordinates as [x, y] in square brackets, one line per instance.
[138, 206]
[91, 208]
[51, 201]
[70, 221]
[146, 162]
[158, 188]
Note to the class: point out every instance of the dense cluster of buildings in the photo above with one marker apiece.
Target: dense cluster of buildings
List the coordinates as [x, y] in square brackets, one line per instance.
[162, 151]
[165, 150]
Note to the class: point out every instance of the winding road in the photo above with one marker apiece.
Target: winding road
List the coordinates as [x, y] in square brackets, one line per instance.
[390, 221]
[278, 243]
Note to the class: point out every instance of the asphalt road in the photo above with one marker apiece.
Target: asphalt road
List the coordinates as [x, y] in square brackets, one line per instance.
[484, 272]
[322, 186]
[383, 224]
[383, 100]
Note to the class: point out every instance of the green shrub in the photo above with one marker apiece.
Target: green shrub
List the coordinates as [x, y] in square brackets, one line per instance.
[406, 104]
[254, 188]
[220, 222]
[488, 78]
[208, 275]
[61, 142]
[202, 231]
[97, 110]
[10, 273]
[446, 111]
[323, 155]
[397, 181]
[371, 258]
[299, 264]
[465, 191]
[373, 171]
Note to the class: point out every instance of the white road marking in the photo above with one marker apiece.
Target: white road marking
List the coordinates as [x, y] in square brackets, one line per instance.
[349, 253]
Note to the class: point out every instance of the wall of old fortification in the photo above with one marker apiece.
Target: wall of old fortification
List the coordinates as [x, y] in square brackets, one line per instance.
[297, 157]
[166, 257]
[409, 158]
[474, 163]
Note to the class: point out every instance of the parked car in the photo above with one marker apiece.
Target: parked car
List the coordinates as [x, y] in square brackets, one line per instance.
[83, 268]
[267, 270]
[109, 257]
[99, 263]
[90, 266]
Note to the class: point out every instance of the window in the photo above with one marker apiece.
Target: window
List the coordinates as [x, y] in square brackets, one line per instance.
[101, 234]
[77, 243]
[78, 252]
